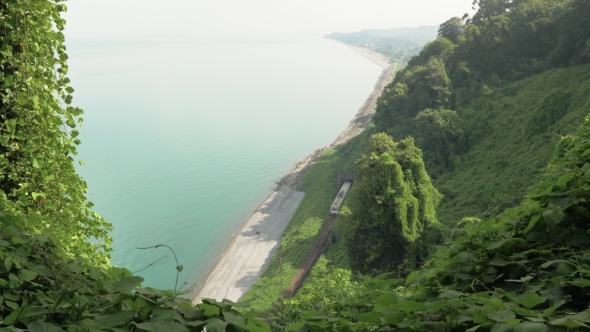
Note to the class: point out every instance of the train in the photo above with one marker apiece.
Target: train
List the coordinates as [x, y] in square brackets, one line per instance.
[335, 207]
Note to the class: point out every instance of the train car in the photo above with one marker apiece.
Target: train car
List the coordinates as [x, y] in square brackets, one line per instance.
[335, 207]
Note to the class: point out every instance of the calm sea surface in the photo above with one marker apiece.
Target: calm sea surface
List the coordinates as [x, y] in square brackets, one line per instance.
[182, 140]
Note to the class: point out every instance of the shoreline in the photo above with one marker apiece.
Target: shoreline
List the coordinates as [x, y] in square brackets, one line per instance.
[251, 248]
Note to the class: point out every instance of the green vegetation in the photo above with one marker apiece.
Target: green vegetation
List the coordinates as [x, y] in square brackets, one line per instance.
[480, 109]
[55, 273]
[393, 203]
[486, 103]
[524, 270]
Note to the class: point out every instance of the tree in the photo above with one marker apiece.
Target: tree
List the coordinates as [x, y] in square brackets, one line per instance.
[452, 29]
[392, 203]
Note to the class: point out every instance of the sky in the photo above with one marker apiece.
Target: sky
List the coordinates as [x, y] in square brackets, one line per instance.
[226, 18]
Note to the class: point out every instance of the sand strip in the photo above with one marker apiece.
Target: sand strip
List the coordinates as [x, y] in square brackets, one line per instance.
[250, 250]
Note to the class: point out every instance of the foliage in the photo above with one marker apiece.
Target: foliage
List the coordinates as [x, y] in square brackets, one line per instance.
[524, 270]
[38, 135]
[42, 288]
[55, 273]
[487, 106]
[393, 203]
[442, 134]
[452, 29]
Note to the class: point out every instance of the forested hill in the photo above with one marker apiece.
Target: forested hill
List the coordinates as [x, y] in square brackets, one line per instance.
[470, 208]
[399, 44]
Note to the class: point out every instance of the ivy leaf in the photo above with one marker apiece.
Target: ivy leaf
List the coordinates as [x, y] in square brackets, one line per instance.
[40, 326]
[127, 283]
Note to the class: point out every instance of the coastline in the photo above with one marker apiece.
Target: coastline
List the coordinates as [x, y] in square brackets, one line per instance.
[251, 248]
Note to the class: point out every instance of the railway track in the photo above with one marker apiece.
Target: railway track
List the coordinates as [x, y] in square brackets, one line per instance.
[312, 258]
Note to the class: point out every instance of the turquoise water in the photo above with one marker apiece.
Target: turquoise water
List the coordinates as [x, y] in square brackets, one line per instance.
[182, 140]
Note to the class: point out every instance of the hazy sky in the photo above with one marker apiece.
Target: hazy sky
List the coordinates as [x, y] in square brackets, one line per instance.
[102, 18]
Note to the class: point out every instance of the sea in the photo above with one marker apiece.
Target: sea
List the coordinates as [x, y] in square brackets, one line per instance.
[182, 139]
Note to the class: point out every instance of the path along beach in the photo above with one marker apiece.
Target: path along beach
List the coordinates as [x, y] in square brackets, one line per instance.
[250, 250]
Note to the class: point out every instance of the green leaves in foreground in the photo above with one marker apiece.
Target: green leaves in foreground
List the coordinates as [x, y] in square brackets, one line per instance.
[43, 289]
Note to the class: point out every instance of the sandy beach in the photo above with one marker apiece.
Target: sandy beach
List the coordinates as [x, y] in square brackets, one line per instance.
[251, 248]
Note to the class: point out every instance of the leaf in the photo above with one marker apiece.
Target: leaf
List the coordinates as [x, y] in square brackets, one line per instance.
[163, 327]
[368, 317]
[395, 317]
[567, 322]
[503, 327]
[215, 325]
[497, 262]
[566, 269]
[577, 238]
[532, 223]
[192, 313]
[209, 310]
[35, 163]
[411, 305]
[530, 327]
[387, 299]
[495, 244]
[41, 326]
[127, 283]
[530, 300]
[553, 217]
[16, 314]
[501, 316]
[26, 275]
[413, 276]
[232, 318]
[299, 327]
[116, 319]
[549, 263]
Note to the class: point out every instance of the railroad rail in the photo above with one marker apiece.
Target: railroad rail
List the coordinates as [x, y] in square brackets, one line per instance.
[317, 249]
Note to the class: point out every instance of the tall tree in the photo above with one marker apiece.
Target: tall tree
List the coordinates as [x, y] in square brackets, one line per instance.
[452, 29]
[393, 202]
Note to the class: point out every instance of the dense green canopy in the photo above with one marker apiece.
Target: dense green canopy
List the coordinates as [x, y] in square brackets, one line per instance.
[392, 203]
